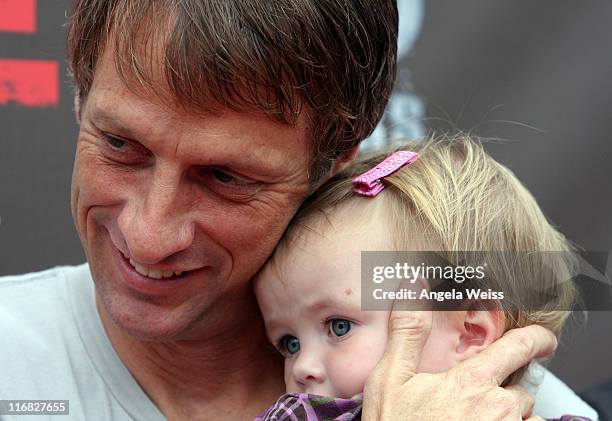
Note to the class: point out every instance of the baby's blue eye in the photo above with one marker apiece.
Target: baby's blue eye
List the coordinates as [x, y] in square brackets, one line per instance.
[340, 327]
[290, 343]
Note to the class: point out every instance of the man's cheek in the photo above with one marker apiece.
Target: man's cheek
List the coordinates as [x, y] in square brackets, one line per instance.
[257, 229]
[101, 184]
[97, 187]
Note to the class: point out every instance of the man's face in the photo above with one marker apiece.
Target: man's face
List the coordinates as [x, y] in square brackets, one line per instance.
[176, 211]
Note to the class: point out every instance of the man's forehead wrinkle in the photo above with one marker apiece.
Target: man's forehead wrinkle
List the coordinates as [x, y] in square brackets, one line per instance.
[118, 81]
[106, 109]
[263, 147]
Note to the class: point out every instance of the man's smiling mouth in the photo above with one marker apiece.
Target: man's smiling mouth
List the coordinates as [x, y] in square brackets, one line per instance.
[153, 273]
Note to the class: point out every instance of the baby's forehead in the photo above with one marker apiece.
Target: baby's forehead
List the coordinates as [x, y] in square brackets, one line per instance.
[328, 235]
[288, 258]
[357, 217]
[289, 294]
[327, 244]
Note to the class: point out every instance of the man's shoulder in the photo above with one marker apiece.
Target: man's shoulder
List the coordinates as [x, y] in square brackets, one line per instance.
[43, 277]
[54, 347]
[39, 290]
[35, 308]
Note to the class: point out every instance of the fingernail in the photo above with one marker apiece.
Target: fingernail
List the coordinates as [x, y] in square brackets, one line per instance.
[555, 342]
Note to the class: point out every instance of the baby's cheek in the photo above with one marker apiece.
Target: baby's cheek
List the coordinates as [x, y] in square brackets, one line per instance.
[290, 385]
[353, 363]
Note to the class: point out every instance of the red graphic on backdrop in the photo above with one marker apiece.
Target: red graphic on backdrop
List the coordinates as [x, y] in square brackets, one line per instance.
[32, 83]
[18, 16]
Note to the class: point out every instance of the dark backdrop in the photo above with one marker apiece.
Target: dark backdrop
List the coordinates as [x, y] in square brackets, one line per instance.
[534, 76]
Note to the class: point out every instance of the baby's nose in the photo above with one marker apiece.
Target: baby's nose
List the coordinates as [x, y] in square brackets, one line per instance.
[308, 368]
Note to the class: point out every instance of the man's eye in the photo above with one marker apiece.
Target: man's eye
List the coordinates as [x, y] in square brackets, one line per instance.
[114, 141]
[290, 344]
[340, 327]
[123, 151]
[227, 183]
[222, 176]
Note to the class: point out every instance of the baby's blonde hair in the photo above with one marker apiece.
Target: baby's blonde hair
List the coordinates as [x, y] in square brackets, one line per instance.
[457, 198]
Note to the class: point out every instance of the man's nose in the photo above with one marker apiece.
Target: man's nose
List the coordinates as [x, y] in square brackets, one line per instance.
[308, 368]
[155, 222]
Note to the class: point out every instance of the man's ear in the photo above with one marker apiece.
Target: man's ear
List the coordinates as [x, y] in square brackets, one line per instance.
[343, 161]
[479, 329]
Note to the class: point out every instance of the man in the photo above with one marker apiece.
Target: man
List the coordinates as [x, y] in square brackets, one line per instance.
[203, 125]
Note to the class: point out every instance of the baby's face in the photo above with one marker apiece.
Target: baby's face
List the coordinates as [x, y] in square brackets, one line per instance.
[310, 299]
[309, 295]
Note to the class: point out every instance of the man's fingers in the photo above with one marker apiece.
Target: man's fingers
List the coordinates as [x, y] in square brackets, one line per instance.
[517, 348]
[524, 399]
[408, 331]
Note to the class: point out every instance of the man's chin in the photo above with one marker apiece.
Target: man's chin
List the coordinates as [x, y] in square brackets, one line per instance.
[146, 321]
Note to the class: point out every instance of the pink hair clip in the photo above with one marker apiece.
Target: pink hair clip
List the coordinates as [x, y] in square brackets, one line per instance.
[370, 182]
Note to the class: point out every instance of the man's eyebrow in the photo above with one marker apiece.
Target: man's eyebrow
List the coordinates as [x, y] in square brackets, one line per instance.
[101, 115]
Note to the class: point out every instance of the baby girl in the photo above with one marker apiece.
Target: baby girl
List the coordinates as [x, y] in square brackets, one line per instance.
[445, 195]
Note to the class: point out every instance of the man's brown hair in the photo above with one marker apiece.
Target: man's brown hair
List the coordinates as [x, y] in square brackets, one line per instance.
[334, 59]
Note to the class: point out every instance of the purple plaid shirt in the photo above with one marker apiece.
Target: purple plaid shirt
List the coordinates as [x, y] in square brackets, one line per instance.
[305, 407]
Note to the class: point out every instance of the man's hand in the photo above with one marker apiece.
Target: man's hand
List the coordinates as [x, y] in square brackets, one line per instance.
[469, 391]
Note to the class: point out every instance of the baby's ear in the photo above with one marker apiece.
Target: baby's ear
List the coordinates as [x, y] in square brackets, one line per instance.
[480, 328]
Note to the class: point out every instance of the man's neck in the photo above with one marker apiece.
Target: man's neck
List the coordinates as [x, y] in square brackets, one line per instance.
[231, 373]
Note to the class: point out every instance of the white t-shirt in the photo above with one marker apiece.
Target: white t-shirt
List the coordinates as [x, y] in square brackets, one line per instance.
[53, 347]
